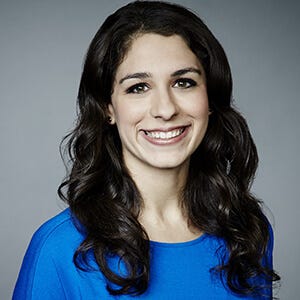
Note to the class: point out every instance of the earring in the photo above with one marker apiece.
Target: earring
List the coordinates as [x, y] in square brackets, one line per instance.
[228, 166]
[109, 120]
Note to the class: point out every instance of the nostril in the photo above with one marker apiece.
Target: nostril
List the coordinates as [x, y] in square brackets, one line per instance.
[165, 110]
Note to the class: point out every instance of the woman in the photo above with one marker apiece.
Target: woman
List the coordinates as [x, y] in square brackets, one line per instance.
[161, 167]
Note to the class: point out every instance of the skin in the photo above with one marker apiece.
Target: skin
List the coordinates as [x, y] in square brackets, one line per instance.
[160, 107]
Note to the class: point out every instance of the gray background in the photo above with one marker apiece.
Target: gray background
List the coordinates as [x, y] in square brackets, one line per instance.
[42, 48]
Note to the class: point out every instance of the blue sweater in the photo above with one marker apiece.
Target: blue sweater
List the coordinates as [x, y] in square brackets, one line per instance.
[178, 270]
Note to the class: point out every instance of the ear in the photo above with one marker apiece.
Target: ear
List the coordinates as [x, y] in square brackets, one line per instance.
[111, 114]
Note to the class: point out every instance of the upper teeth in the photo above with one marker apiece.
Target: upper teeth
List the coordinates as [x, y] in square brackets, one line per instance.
[163, 134]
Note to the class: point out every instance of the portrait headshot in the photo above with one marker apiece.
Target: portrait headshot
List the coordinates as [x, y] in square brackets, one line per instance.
[150, 150]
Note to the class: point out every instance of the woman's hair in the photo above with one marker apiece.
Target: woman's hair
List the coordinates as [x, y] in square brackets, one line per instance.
[104, 198]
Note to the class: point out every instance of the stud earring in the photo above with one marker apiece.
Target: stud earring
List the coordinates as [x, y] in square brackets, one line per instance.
[109, 120]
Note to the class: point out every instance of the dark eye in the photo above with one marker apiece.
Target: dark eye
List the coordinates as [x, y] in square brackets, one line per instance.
[184, 83]
[138, 88]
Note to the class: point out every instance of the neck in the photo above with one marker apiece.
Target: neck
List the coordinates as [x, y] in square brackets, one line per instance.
[162, 214]
[160, 188]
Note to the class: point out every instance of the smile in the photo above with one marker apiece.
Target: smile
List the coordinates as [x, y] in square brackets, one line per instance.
[165, 135]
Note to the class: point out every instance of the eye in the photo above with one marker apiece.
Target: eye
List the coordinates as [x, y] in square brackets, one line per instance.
[184, 83]
[138, 88]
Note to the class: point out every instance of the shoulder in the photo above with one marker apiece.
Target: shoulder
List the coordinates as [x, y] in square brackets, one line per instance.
[267, 259]
[55, 241]
[58, 232]
[51, 248]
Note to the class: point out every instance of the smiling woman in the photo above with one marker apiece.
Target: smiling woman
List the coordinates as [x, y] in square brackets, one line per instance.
[161, 167]
[161, 110]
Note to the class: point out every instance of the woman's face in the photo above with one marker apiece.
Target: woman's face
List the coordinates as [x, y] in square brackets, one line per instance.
[159, 102]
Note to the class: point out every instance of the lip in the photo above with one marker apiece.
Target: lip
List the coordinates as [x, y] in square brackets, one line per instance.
[166, 141]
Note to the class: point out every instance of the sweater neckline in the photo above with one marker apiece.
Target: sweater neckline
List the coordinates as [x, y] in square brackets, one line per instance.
[197, 240]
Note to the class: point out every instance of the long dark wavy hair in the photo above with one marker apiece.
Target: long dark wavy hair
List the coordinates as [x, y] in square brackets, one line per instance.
[103, 196]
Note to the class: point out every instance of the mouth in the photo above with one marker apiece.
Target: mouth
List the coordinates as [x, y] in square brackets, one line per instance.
[165, 135]
[158, 136]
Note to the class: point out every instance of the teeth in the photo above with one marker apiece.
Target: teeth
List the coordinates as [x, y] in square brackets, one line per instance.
[164, 135]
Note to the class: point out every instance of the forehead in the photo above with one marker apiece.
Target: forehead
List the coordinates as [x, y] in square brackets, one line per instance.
[156, 53]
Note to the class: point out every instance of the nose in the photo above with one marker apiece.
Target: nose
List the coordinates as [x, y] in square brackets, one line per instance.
[163, 105]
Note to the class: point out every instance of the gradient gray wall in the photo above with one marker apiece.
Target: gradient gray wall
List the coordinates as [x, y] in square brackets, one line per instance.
[42, 45]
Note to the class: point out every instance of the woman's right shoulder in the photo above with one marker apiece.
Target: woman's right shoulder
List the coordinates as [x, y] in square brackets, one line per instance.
[59, 231]
[49, 259]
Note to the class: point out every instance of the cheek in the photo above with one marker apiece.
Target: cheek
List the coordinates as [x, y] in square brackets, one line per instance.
[129, 114]
[198, 107]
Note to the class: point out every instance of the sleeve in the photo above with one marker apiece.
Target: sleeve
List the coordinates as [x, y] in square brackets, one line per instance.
[38, 277]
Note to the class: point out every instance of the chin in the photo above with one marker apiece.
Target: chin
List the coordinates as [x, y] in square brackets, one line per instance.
[169, 164]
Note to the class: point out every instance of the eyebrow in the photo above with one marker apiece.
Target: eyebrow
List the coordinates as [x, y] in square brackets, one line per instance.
[186, 70]
[143, 75]
[139, 75]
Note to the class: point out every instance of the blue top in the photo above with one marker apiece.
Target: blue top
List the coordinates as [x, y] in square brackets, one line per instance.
[178, 270]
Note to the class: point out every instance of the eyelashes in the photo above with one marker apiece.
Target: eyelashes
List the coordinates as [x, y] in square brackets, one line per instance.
[185, 83]
[143, 87]
[138, 88]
